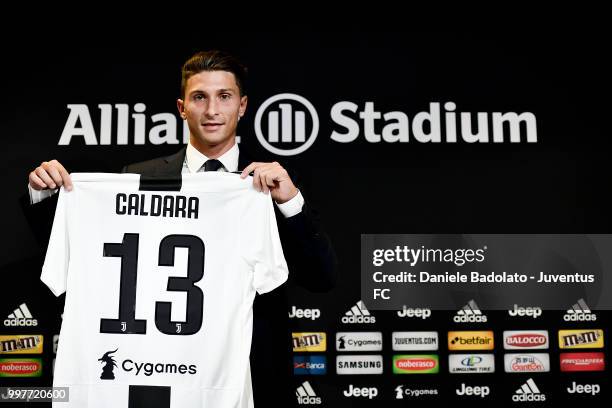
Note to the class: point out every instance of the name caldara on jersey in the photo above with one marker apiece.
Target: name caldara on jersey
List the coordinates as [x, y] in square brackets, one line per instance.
[159, 288]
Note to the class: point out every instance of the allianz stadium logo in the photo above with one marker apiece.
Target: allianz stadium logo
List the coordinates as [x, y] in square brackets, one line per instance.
[288, 124]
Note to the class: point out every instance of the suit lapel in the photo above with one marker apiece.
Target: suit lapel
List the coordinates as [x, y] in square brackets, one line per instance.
[173, 164]
[244, 159]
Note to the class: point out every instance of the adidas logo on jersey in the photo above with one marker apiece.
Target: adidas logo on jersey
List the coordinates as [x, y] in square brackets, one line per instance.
[470, 314]
[306, 395]
[579, 312]
[358, 314]
[21, 317]
[528, 392]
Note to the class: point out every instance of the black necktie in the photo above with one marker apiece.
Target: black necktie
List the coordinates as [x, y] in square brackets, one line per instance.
[212, 165]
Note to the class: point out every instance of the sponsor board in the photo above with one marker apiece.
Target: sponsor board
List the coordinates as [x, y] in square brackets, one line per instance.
[309, 341]
[471, 363]
[470, 340]
[527, 363]
[416, 364]
[415, 341]
[359, 364]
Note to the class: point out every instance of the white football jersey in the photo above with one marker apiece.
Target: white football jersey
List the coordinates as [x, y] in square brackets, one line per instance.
[160, 281]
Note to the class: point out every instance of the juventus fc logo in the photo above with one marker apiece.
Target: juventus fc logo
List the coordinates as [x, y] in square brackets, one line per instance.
[178, 328]
[123, 326]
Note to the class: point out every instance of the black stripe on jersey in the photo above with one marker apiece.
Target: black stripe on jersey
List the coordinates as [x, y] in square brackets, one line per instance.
[152, 183]
[149, 396]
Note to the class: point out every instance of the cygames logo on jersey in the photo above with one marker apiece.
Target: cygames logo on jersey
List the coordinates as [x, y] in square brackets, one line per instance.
[314, 365]
[309, 342]
[20, 367]
[136, 368]
[21, 344]
[416, 364]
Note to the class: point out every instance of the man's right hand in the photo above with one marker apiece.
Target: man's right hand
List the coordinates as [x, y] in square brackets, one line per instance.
[50, 175]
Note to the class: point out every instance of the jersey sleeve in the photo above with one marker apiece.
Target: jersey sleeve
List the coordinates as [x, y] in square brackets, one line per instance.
[55, 267]
[263, 248]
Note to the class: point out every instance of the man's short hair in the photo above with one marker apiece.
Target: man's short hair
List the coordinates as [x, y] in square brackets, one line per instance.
[214, 60]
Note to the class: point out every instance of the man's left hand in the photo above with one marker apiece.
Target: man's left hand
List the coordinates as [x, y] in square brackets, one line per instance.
[273, 178]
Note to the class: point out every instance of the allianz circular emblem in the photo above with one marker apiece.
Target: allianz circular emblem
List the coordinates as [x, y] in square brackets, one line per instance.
[286, 124]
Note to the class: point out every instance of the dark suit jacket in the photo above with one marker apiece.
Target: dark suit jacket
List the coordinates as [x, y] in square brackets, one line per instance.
[312, 264]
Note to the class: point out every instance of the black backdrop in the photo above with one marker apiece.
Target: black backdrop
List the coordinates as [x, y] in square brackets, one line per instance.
[559, 184]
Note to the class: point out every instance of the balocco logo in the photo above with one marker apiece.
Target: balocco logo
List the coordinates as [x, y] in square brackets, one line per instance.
[286, 128]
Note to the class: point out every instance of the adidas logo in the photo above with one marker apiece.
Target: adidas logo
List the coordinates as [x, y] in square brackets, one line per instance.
[306, 395]
[470, 314]
[528, 392]
[579, 312]
[20, 317]
[358, 314]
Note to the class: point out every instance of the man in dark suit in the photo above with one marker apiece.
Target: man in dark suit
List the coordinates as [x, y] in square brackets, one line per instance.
[213, 98]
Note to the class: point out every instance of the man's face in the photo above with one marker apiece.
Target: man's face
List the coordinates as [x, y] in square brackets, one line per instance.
[212, 107]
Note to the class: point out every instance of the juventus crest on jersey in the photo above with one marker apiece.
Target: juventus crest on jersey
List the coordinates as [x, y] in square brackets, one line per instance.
[160, 278]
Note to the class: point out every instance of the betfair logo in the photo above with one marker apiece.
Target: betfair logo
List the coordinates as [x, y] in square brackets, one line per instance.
[470, 340]
[309, 341]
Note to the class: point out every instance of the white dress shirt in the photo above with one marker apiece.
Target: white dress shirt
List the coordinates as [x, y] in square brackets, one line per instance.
[194, 160]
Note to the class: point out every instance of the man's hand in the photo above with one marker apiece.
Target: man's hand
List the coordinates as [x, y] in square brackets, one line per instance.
[271, 177]
[50, 174]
